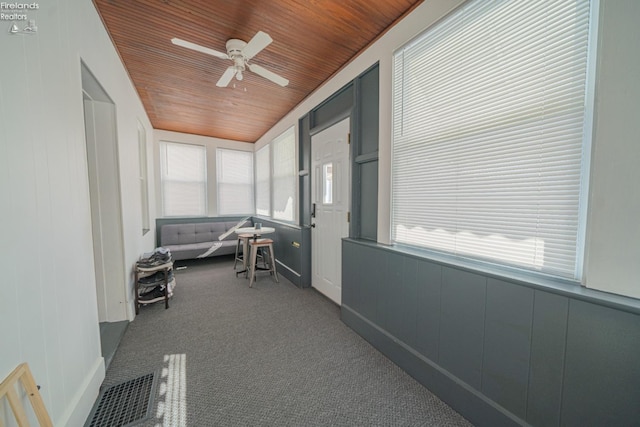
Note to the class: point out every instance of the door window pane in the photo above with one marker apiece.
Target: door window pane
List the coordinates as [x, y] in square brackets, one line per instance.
[327, 183]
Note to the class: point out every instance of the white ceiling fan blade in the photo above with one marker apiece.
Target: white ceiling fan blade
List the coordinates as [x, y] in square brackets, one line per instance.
[199, 48]
[256, 44]
[261, 71]
[226, 77]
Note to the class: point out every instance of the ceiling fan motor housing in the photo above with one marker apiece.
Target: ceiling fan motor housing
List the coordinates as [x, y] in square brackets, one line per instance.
[234, 48]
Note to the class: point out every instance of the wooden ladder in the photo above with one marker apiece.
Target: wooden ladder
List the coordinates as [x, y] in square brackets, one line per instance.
[23, 375]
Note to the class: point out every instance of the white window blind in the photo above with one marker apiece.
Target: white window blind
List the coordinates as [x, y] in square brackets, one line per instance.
[488, 133]
[235, 182]
[183, 178]
[284, 175]
[263, 181]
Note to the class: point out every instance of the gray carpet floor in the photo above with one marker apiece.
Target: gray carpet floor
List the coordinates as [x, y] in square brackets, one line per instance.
[271, 355]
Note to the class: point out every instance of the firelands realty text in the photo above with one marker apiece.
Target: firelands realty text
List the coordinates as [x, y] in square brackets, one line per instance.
[12, 11]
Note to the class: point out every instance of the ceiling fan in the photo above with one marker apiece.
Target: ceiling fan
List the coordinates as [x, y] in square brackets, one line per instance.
[240, 53]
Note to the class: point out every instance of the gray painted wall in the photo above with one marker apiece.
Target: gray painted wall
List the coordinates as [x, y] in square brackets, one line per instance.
[290, 244]
[338, 106]
[501, 352]
[359, 100]
[364, 165]
[304, 165]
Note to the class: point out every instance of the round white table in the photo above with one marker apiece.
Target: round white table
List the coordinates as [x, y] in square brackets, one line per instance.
[255, 231]
[245, 247]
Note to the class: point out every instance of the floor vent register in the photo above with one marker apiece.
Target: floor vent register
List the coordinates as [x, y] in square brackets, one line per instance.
[124, 404]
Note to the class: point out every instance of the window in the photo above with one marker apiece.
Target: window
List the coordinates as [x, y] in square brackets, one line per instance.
[183, 179]
[284, 175]
[263, 181]
[488, 135]
[235, 182]
[276, 177]
[327, 183]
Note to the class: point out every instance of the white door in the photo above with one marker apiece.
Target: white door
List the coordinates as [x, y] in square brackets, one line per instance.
[330, 195]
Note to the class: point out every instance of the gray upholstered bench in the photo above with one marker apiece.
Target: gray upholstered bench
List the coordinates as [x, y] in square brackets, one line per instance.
[199, 240]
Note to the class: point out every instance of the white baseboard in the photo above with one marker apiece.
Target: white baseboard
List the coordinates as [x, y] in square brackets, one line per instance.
[84, 398]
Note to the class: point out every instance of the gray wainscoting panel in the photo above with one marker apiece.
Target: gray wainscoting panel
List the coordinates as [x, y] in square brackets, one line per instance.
[377, 274]
[401, 299]
[500, 351]
[351, 275]
[602, 377]
[548, 341]
[388, 290]
[462, 324]
[289, 248]
[368, 200]
[507, 345]
[429, 280]
[372, 267]
[285, 243]
[305, 257]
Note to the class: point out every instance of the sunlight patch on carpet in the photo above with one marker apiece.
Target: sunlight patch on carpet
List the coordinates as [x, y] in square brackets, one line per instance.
[172, 404]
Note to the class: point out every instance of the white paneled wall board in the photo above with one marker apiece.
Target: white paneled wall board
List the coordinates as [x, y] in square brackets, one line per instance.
[48, 294]
[613, 233]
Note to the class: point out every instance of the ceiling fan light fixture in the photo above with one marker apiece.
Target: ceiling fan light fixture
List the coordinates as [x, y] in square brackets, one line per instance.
[239, 75]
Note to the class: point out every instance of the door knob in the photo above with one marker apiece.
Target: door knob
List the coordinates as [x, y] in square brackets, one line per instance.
[313, 225]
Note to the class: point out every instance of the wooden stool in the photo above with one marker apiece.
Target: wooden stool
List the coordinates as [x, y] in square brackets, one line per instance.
[242, 242]
[255, 246]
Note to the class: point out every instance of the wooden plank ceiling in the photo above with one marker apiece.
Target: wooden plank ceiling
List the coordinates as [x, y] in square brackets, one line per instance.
[312, 39]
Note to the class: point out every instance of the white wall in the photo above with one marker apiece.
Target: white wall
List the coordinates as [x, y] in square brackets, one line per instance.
[613, 233]
[48, 306]
[211, 144]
